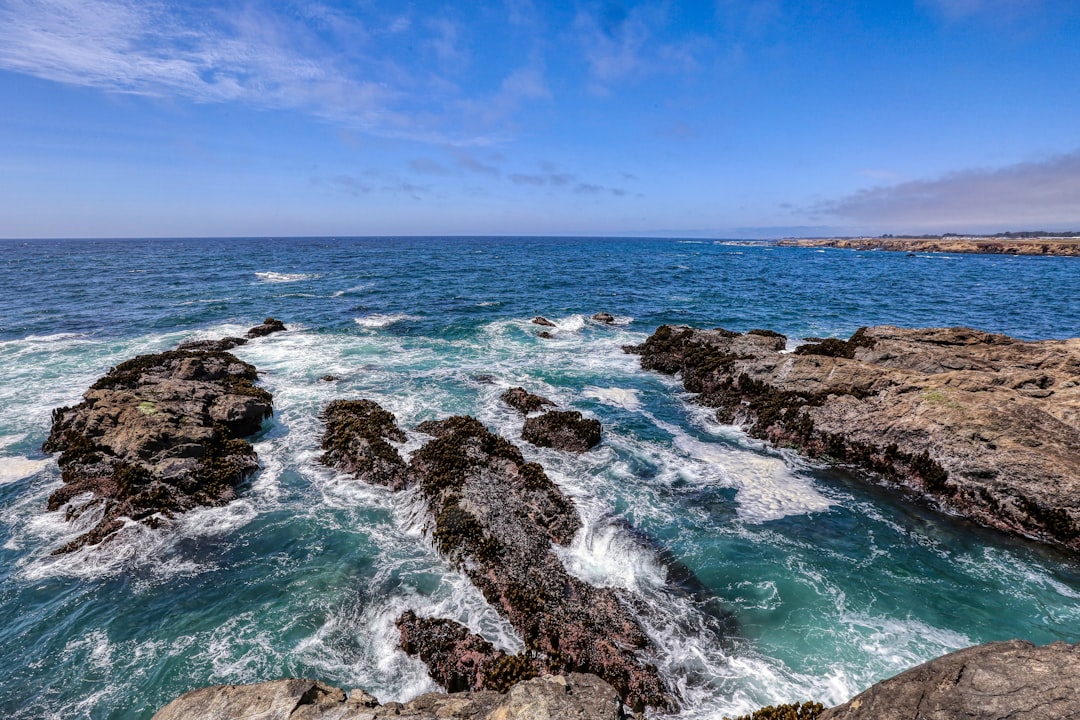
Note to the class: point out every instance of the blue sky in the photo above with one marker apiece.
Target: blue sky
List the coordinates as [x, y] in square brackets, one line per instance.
[723, 118]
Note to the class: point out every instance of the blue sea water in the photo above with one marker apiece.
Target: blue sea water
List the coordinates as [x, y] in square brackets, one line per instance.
[832, 583]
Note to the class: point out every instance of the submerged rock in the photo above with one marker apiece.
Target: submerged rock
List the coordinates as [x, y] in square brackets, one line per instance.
[356, 441]
[1014, 680]
[604, 317]
[496, 517]
[562, 430]
[571, 697]
[159, 434]
[524, 401]
[985, 425]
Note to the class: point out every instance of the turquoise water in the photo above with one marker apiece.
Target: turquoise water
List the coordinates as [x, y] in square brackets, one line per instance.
[813, 584]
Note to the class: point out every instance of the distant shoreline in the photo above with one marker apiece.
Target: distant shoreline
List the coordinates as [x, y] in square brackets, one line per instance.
[1065, 246]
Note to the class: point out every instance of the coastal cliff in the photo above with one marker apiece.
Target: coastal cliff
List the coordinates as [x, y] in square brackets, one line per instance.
[984, 425]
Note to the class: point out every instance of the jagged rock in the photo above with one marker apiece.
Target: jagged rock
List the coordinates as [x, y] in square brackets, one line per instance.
[563, 430]
[355, 441]
[496, 517]
[223, 345]
[541, 320]
[269, 325]
[984, 425]
[1014, 680]
[604, 317]
[159, 434]
[524, 401]
[460, 660]
[573, 697]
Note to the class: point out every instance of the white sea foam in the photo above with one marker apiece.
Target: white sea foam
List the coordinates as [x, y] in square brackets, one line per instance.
[13, 469]
[606, 556]
[378, 320]
[6, 440]
[276, 277]
[353, 290]
[766, 487]
[626, 398]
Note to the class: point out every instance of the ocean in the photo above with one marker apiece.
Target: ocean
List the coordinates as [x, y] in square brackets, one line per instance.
[813, 583]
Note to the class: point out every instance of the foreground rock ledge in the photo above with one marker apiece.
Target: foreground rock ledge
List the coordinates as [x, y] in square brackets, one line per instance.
[1014, 680]
[158, 435]
[985, 425]
[574, 697]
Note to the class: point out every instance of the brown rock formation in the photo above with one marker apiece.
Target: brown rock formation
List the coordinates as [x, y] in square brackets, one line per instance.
[497, 516]
[572, 697]
[1014, 680]
[983, 424]
[158, 435]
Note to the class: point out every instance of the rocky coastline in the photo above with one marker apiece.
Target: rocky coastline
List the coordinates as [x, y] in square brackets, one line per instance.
[983, 425]
[1062, 246]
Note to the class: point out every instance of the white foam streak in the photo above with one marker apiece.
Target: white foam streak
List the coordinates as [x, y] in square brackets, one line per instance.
[378, 320]
[13, 469]
[626, 398]
[276, 277]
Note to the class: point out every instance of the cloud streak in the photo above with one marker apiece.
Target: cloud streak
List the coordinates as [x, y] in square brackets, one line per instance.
[1044, 193]
[313, 59]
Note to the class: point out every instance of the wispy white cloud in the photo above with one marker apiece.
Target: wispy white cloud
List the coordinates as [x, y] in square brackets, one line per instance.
[147, 48]
[312, 57]
[621, 44]
[1040, 193]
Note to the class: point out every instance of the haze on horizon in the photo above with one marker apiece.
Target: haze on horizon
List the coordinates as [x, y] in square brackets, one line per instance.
[747, 118]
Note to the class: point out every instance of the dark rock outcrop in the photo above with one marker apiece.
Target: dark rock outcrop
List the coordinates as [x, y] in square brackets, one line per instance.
[269, 325]
[562, 430]
[604, 317]
[524, 401]
[159, 434]
[985, 425]
[356, 441]
[541, 320]
[496, 517]
[223, 345]
[571, 697]
[460, 660]
[1014, 680]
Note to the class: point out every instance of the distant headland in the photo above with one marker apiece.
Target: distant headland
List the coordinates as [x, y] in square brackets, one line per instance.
[1010, 243]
